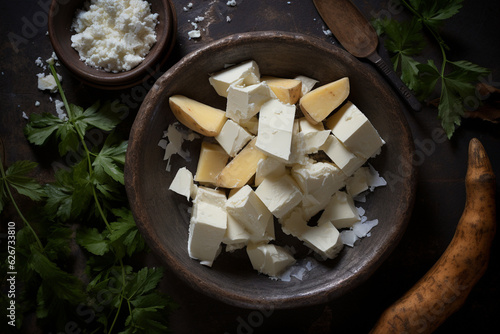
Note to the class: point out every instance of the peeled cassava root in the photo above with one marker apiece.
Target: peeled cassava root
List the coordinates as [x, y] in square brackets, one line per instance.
[444, 288]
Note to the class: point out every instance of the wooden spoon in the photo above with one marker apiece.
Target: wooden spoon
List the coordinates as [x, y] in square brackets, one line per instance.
[360, 39]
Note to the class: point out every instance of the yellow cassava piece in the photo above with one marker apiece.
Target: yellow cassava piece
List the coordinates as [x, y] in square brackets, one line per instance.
[199, 117]
[241, 169]
[286, 90]
[320, 102]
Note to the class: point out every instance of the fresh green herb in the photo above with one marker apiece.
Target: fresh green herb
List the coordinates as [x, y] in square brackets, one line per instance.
[405, 40]
[85, 204]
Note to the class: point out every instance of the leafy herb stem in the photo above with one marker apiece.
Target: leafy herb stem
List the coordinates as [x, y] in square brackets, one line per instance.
[121, 298]
[88, 154]
[25, 221]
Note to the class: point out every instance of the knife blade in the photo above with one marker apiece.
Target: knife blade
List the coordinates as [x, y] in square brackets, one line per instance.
[359, 38]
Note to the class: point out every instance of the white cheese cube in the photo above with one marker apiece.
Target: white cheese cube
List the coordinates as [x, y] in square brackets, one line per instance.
[269, 259]
[319, 181]
[358, 182]
[355, 131]
[247, 73]
[307, 83]
[314, 176]
[340, 211]
[347, 161]
[183, 183]
[276, 122]
[207, 226]
[247, 208]
[269, 167]
[233, 137]
[324, 239]
[244, 102]
[280, 195]
[236, 236]
[294, 223]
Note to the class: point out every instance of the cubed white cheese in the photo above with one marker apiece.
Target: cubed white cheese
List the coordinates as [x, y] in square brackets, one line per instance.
[233, 137]
[318, 181]
[294, 223]
[347, 161]
[340, 211]
[355, 131]
[280, 195]
[247, 73]
[324, 239]
[183, 183]
[244, 102]
[358, 182]
[269, 167]
[307, 83]
[276, 122]
[207, 226]
[247, 208]
[314, 136]
[236, 236]
[269, 259]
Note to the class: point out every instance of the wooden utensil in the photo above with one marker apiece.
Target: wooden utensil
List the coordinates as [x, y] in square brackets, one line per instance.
[359, 38]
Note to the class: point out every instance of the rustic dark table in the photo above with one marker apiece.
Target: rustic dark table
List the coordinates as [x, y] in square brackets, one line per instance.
[472, 35]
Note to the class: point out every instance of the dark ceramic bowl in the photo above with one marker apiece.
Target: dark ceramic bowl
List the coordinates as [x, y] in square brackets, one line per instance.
[162, 214]
[61, 16]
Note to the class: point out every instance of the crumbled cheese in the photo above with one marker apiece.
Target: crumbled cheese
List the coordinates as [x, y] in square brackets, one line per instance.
[47, 82]
[194, 34]
[25, 116]
[114, 35]
[60, 111]
[37, 103]
[175, 139]
[231, 3]
[228, 19]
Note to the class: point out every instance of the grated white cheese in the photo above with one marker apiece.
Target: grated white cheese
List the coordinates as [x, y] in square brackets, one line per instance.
[114, 35]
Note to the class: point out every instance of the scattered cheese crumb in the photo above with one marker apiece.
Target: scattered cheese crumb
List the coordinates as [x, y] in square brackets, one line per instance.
[175, 137]
[60, 110]
[47, 82]
[228, 19]
[37, 103]
[25, 116]
[327, 32]
[231, 3]
[194, 34]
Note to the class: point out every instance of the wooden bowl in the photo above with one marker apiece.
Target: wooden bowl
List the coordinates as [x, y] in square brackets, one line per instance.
[162, 214]
[60, 19]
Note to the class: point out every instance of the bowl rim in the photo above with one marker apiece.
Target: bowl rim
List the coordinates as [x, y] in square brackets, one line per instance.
[101, 79]
[322, 294]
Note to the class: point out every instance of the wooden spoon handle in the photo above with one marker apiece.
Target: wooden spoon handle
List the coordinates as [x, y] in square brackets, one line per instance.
[394, 79]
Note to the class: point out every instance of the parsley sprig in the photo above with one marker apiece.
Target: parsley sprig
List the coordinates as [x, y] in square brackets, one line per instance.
[85, 204]
[455, 79]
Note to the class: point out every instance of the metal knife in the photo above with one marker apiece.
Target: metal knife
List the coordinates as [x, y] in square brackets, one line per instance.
[359, 38]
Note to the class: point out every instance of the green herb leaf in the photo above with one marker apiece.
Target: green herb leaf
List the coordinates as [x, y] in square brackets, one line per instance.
[93, 241]
[109, 159]
[124, 232]
[40, 127]
[17, 177]
[64, 285]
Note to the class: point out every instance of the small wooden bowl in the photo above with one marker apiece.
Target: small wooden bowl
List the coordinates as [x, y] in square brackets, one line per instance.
[61, 16]
[162, 214]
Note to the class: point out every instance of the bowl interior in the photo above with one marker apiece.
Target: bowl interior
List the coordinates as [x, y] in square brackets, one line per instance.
[162, 214]
[61, 16]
